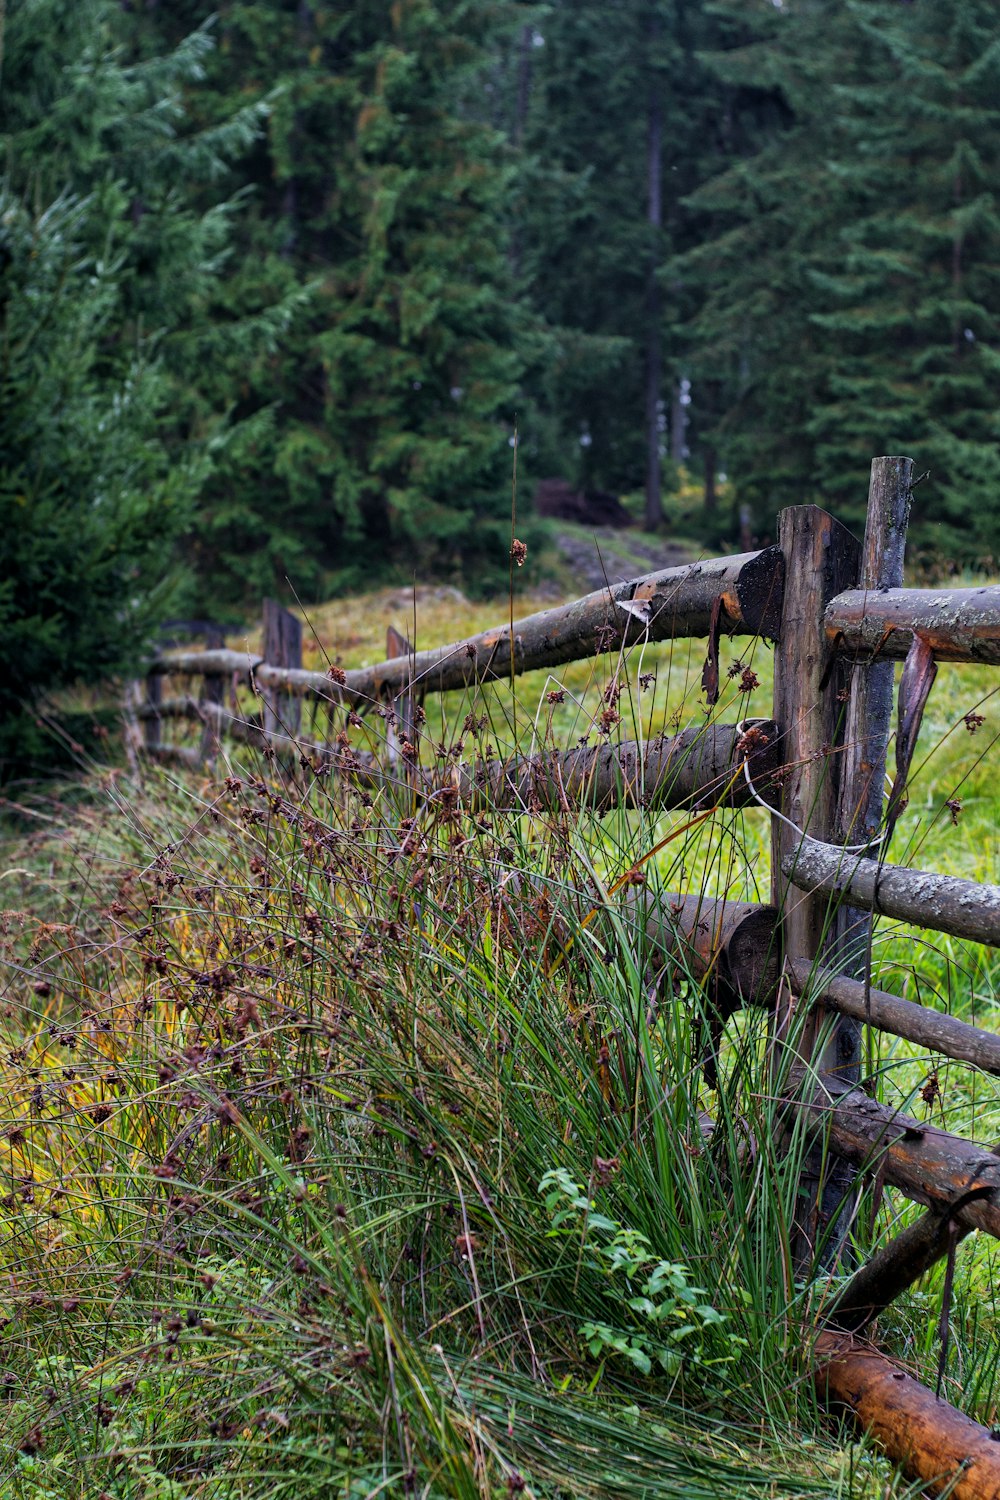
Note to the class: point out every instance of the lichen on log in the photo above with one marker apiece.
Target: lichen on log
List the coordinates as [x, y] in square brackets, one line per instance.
[958, 624]
[964, 908]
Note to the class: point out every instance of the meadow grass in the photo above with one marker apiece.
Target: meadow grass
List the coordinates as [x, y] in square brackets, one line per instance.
[353, 1147]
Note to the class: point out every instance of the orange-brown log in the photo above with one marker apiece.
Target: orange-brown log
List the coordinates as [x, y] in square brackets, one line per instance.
[958, 624]
[929, 1439]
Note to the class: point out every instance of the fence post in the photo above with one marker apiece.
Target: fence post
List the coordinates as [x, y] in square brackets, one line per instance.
[822, 559]
[282, 648]
[404, 730]
[152, 725]
[212, 692]
[866, 738]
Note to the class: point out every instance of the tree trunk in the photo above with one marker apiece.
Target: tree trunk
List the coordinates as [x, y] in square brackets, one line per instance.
[710, 496]
[654, 308]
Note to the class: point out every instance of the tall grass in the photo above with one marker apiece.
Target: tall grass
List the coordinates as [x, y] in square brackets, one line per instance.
[354, 1146]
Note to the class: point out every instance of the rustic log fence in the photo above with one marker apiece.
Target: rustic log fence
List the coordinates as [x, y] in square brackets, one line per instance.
[840, 618]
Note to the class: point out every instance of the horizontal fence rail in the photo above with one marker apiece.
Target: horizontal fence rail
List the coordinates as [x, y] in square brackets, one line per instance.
[933, 1029]
[744, 591]
[927, 1164]
[964, 908]
[957, 624]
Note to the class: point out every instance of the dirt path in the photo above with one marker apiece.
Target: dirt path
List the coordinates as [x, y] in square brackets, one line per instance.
[606, 555]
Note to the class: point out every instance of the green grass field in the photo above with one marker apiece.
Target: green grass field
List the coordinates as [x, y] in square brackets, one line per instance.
[354, 1148]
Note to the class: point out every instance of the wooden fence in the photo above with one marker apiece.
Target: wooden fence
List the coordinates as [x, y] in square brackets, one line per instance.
[841, 618]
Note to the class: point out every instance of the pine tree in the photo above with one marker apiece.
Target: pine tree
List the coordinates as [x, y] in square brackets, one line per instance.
[391, 398]
[589, 247]
[764, 224]
[845, 271]
[912, 324]
[101, 266]
[625, 122]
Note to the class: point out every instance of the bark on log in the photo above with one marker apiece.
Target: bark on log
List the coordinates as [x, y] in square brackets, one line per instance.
[215, 663]
[176, 755]
[699, 765]
[928, 1438]
[917, 1023]
[895, 1268]
[671, 603]
[925, 1163]
[958, 624]
[962, 907]
[735, 944]
[731, 948]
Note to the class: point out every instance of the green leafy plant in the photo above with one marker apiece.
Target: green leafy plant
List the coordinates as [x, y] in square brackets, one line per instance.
[664, 1318]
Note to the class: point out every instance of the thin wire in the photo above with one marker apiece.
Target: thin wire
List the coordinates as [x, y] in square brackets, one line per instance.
[872, 843]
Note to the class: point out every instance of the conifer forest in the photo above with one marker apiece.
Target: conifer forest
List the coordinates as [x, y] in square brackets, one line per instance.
[499, 873]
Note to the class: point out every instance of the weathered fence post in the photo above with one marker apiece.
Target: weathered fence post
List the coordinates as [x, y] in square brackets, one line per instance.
[213, 693]
[282, 648]
[853, 819]
[152, 724]
[858, 813]
[402, 730]
[810, 686]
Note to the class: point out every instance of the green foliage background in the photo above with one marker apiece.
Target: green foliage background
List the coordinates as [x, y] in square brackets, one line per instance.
[280, 280]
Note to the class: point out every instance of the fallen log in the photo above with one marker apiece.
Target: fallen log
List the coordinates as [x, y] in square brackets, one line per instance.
[931, 1441]
[925, 1163]
[664, 605]
[957, 624]
[962, 907]
[916, 1023]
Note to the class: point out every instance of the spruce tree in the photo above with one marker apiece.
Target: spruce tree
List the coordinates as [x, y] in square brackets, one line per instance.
[845, 273]
[380, 190]
[764, 223]
[911, 320]
[625, 121]
[101, 267]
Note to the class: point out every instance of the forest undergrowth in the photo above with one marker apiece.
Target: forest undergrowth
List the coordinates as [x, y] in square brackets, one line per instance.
[355, 1143]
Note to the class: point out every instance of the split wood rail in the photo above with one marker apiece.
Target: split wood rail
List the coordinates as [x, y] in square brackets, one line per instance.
[841, 619]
